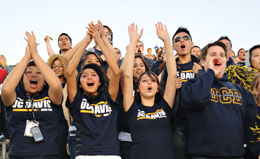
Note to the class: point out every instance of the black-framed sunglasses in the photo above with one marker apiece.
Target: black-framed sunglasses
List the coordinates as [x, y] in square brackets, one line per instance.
[185, 37]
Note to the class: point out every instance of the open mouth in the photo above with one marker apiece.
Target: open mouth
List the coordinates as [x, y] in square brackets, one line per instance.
[90, 84]
[33, 84]
[216, 63]
[182, 46]
[149, 88]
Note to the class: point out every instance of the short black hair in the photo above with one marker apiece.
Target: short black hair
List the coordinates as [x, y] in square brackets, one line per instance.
[179, 30]
[226, 38]
[250, 52]
[239, 51]
[65, 35]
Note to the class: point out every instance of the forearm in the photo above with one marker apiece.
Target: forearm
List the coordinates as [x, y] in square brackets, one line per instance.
[73, 64]
[203, 84]
[170, 60]
[73, 51]
[109, 56]
[129, 59]
[49, 48]
[15, 75]
[48, 74]
[110, 48]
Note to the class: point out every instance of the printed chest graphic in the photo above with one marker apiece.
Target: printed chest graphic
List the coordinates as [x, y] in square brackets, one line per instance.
[43, 104]
[186, 75]
[159, 113]
[100, 109]
[225, 95]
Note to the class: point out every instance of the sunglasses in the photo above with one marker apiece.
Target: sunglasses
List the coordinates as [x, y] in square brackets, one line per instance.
[177, 39]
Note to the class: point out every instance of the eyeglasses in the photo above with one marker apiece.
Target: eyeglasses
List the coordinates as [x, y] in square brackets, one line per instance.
[58, 66]
[177, 39]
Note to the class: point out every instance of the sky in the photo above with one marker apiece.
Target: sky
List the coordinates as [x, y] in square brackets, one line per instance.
[206, 20]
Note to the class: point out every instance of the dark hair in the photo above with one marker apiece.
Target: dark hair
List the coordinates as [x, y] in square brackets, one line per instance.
[195, 46]
[20, 84]
[204, 51]
[93, 53]
[158, 95]
[179, 30]
[239, 51]
[102, 79]
[226, 38]
[141, 42]
[65, 35]
[110, 31]
[138, 55]
[255, 84]
[250, 52]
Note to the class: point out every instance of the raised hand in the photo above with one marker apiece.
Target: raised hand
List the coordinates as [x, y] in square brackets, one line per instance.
[101, 29]
[46, 38]
[28, 52]
[178, 83]
[196, 67]
[133, 32]
[212, 65]
[93, 31]
[162, 32]
[88, 36]
[31, 39]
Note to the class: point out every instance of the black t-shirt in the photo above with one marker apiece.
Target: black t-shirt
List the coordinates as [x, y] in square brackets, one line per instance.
[45, 113]
[96, 125]
[151, 131]
[185, 72]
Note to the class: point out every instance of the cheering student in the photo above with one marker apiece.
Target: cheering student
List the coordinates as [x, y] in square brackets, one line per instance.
[32, 93]
[221, 115]
[92, 103]
[148, 112]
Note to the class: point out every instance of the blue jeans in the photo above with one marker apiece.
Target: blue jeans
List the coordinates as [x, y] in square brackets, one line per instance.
[180, 142]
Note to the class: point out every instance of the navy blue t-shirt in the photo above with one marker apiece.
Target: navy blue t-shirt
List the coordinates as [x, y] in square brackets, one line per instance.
[151, 131]
[45, 113]
[96, 125]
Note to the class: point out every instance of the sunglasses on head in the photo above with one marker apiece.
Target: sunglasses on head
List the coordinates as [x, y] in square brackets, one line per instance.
[185, 37]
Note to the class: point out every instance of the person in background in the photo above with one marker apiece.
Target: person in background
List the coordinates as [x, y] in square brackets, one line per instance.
[149, 54]
[242, 57]
[182, 44]
[140, 50]
[58, 64]
[64, 43]
[161, 58]
[4, 65]
[195, 50]
[225, 40]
